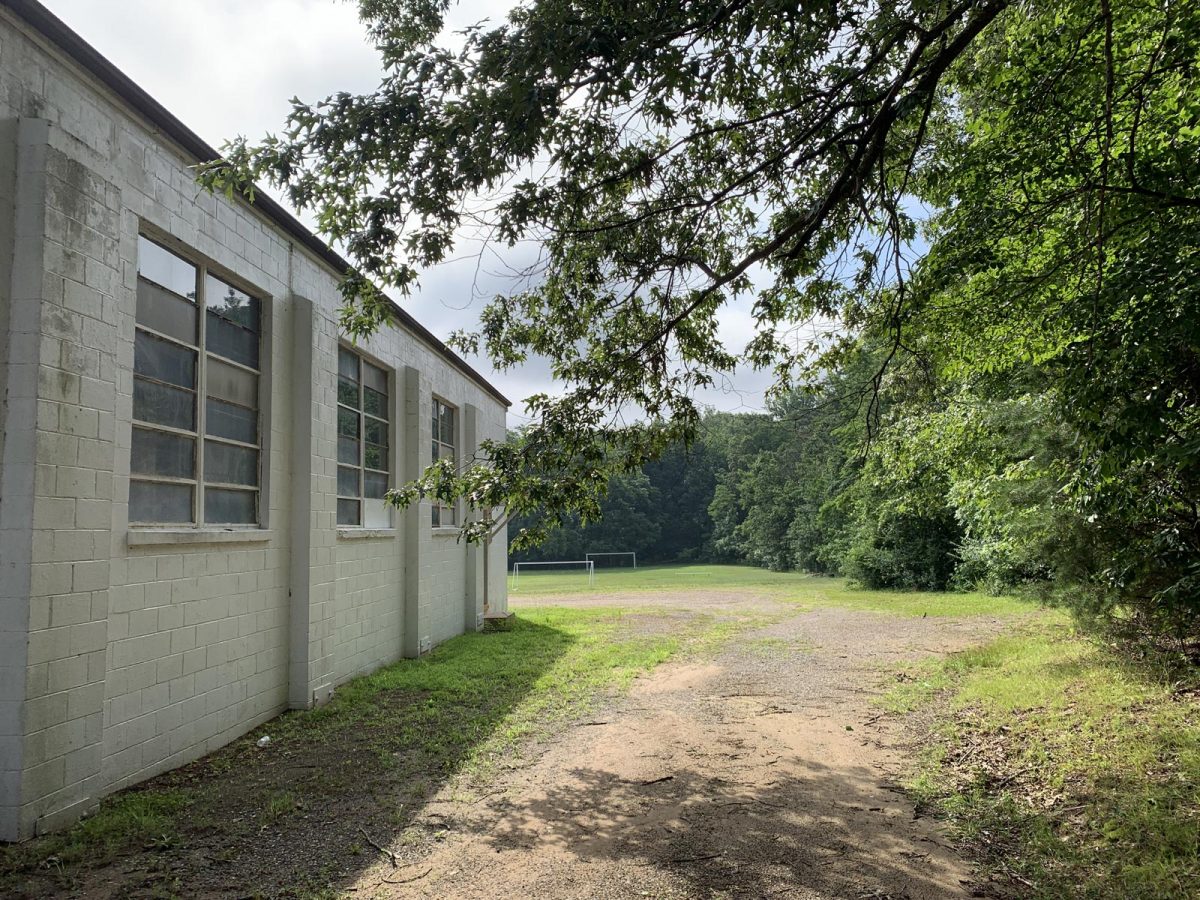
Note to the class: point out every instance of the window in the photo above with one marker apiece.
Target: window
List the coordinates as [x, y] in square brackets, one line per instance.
[196, 445]
[363, 441]
[443, 448]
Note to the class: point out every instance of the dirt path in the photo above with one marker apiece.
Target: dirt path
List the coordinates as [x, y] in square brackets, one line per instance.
[764, 772]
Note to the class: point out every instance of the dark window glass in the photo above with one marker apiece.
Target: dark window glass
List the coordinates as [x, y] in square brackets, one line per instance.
[347, 484]
[166, 376]
[163, 267]
[231, 341]
[228, 464]
[375, 457]
[226, 507]
[348, 450]
[160, 453]
[447, 425]
[376, 432]
[375, 403]
[228, 420]
[437, 516]
[348, 512]
[376, 485]
[162, 404]
[374, 378]
[151, 501]
[347, 423]
[166, 312]
[347, 392]
[347, 364]
[163, 360]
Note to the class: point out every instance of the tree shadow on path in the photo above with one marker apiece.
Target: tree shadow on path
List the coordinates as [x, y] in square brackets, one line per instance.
[823, 832]
[300, 815]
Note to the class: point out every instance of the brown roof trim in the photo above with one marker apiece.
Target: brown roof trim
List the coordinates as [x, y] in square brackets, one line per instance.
[57, 32]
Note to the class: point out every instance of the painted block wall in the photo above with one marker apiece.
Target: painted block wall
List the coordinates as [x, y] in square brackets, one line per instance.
[125, 652]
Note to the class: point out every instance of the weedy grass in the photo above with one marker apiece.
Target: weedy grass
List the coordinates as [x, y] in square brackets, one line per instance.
[1072, 770]
[803, 591]
[481, 696]
[141, 818]
[469, 708]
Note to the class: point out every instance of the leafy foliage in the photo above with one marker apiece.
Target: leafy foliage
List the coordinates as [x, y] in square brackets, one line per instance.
[996, 204]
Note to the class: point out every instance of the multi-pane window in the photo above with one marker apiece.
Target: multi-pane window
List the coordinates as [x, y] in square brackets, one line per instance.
[363, 432]
[194, 454]
[443, 448]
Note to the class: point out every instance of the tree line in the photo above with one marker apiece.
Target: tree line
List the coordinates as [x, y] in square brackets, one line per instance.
[922, 482]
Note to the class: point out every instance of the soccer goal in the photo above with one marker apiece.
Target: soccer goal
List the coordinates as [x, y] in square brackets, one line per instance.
[589, 567]
[619, 553]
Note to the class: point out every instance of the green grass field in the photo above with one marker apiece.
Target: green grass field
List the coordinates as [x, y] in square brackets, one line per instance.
[805, 591]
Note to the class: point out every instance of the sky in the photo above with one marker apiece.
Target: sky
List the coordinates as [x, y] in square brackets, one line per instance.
[229, 67]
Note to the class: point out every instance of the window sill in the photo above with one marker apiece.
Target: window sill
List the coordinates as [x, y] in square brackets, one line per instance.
[446, 531]
[359, 534]
[141, 537]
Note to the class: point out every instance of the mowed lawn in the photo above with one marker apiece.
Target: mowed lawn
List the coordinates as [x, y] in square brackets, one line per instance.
[795, 588]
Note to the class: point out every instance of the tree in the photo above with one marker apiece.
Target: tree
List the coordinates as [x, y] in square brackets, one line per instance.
[666, 158]
[1066, 250]
[669, 159]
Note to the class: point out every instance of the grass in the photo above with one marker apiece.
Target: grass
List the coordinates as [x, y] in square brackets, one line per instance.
[1071, 770]
[469, 709]
[539, 582]
[492, 693]
[141, 818]
[805, 591]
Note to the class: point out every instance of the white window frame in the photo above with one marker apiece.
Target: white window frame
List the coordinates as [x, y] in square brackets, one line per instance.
[199, 483]
[388, 520]
[437, 513]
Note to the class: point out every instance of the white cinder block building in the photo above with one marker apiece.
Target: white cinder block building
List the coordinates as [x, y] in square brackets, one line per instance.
[191, 532]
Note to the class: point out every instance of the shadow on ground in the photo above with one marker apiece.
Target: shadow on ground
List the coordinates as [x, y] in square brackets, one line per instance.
[817, 832]
[298, 817]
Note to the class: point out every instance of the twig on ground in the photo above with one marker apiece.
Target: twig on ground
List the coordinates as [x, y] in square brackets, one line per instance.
[406, 880]
[370, 840]
[1012, 776]
[691, 859]
[656, 780]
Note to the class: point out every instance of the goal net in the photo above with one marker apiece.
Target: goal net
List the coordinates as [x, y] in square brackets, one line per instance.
[588, 568]
[615, 559]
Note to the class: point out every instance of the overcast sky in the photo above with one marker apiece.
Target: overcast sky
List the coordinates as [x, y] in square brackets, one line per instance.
[229, 67]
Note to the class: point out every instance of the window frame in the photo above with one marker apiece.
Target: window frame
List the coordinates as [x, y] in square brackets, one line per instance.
[437, 519]
[362, 417]
[199, 483]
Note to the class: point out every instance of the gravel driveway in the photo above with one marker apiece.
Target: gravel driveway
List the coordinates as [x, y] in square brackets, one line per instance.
[762, 770]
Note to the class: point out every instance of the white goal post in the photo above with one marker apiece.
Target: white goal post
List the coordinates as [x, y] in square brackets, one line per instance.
[587, 563]
[614, 553]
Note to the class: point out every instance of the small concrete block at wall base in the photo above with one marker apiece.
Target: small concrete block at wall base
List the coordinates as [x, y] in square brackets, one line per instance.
[498, 621]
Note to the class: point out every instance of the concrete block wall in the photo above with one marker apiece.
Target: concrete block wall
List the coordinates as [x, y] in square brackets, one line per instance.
[67, 195]
[368, 605]
[126, 651]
